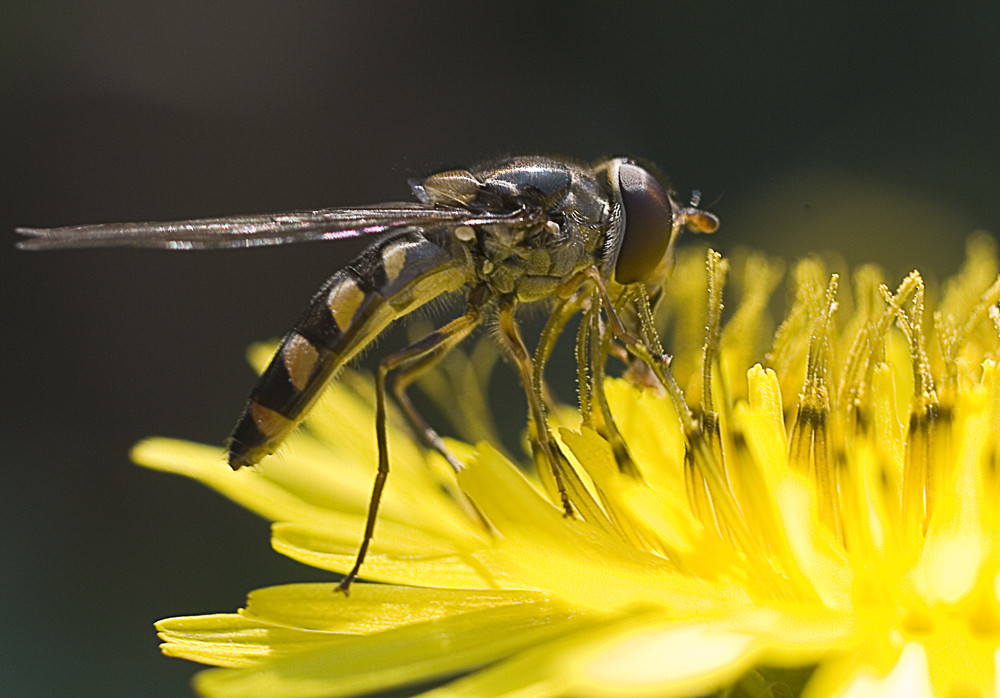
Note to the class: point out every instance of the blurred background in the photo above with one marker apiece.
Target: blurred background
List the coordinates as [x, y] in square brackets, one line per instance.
[867, 128]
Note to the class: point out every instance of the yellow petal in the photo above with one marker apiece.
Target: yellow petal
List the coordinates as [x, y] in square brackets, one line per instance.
[540, 547]
[230, 640]
[908, 678]
[246, 487]
[660, 660]
[405, 655]
[370, 607]
[399, 555]
[307, 484]
[948, 567]
[653, 433]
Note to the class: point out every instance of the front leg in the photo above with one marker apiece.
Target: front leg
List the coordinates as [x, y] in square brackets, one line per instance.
[546, 454]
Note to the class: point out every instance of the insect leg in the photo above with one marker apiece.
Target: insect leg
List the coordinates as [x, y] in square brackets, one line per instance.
[413, 360]
[591, 348]
[450, 335]
[544, 451]
[656, 360]
[593, 344]
[582, 355]
[564, 310]
[600, 347]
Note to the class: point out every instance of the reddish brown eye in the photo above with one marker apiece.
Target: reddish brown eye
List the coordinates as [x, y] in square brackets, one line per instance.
[647, 224]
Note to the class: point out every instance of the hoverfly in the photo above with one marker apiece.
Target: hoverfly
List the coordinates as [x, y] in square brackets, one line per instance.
[593, 240]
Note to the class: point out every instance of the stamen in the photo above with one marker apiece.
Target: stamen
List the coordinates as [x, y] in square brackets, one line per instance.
[717, 270]
[954, 341]
[809, 442]
[924, 464]
[995, 319]
[787, 356]
[709, 489]
[699, 492]
[990, 466]
[867, 352]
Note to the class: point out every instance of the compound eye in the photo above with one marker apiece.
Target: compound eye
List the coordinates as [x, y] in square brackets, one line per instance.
[647, 225]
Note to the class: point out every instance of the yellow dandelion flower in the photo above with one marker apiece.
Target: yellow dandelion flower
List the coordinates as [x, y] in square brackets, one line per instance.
[834, 506]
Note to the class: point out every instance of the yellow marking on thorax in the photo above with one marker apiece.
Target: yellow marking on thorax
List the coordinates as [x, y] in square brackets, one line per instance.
[344, 300]
[299, 357]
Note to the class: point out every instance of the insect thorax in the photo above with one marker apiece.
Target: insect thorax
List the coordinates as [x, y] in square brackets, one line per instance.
[530, 261]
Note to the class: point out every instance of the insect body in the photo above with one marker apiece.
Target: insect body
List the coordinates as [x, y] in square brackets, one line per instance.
[595, 240]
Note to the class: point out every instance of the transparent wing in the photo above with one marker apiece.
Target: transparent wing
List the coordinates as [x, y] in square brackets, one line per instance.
[258, 230]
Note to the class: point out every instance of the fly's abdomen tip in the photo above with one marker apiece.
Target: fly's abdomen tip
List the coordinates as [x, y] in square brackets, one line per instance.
[247, 443]
[258, 433]
[247, 449]
[239, 457]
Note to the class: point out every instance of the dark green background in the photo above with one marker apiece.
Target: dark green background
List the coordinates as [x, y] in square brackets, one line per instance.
[865, 127]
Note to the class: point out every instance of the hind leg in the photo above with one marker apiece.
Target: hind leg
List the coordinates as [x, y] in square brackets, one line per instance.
[411, 361]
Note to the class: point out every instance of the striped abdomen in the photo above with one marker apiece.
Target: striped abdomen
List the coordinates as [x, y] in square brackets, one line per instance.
[390, 279]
